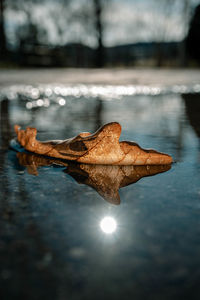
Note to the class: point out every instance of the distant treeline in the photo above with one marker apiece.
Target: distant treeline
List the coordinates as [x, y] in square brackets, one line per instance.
[79, 55]
[31, 45]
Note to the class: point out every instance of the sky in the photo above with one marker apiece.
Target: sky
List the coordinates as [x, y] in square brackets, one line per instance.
[140, 21]
[146, 20]
[125, 21]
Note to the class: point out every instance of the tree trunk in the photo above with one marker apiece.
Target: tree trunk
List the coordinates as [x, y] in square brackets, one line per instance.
[2, 30]
[99, 59]
[183, 54]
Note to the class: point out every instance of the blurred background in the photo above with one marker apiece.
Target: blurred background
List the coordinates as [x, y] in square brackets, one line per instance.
[99, 33]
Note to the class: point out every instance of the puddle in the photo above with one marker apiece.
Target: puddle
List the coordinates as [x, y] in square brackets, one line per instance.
[56, 229]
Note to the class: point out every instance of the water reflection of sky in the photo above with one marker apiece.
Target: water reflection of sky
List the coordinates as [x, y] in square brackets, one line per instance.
[152, 239]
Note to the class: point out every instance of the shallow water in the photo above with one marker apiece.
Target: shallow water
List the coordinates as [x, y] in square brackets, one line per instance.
[53, 242]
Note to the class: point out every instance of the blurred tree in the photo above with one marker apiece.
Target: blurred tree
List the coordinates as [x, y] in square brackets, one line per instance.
[3, 47]
[29, 32]
[84, 20]
[64, 22]
[90, 15]
[185, 16]
[161, 26]
[193, 37]
[172, 8]
[98, 21]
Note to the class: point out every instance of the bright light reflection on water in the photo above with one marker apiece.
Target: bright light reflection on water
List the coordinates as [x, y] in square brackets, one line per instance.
[108, 225]
[106, 92]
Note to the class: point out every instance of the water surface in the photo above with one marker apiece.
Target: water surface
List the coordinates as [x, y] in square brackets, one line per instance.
[54, 239]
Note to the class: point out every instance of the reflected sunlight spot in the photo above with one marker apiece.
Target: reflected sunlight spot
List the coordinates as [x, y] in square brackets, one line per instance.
[48, 92]
[108, 225]
[29, 105]
[61, 101]
[40, 102]
[35, 93]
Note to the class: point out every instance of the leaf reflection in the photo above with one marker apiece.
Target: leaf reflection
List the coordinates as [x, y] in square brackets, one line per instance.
[105, 179]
